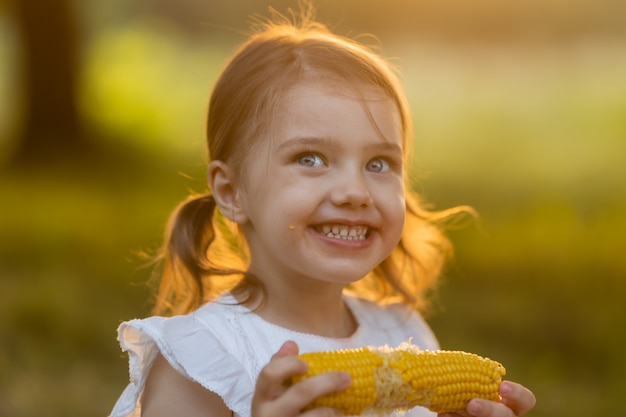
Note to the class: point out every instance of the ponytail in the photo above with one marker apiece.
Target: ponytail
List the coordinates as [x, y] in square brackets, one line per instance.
[192, 232]
[191, 237]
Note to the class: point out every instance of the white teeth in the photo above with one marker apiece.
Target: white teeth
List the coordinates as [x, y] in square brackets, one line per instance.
[344, 232]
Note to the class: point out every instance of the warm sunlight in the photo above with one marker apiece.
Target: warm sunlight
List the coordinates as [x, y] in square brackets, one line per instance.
[518, 111]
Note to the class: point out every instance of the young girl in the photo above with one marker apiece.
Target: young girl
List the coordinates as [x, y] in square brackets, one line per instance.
[308, 136]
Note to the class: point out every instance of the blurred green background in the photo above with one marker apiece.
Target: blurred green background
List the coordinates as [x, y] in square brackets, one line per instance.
[520, 111]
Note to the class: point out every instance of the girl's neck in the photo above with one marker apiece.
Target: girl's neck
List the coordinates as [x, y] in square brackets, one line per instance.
[323, 313]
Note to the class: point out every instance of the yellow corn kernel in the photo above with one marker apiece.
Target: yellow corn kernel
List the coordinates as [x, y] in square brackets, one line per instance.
[386, 379]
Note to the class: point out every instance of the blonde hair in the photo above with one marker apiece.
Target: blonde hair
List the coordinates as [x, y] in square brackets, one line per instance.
[279, 54]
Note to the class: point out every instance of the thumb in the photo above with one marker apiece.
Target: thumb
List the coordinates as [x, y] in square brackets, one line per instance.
[289, 348]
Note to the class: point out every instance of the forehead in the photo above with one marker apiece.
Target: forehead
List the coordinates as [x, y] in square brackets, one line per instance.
[334, 88]
[335, 108]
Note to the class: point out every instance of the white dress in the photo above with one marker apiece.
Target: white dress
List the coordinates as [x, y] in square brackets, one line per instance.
[223, 346]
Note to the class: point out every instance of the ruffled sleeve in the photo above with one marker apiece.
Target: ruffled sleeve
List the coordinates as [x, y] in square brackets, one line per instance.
[190, 348]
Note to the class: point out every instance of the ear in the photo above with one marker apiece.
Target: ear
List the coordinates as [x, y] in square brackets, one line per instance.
[226, 194]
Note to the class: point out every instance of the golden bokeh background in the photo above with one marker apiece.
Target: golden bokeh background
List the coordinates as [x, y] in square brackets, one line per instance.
[520, 112]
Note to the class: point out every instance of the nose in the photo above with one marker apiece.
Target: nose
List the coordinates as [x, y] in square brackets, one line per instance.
[350, 189]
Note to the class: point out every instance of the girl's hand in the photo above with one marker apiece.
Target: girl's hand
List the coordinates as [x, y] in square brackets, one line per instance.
[272, 397]
[516, 401]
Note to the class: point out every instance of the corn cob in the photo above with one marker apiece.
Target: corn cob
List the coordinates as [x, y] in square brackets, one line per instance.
[386, 379]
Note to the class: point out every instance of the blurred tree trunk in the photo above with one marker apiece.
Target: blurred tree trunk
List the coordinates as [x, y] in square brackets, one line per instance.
[49, 65]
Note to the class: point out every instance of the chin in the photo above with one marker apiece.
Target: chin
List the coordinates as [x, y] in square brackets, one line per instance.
[347, 277]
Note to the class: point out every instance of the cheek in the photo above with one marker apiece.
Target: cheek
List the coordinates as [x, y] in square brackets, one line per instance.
[276, 199]
[400, 218]
[395, 210]
[391, 194]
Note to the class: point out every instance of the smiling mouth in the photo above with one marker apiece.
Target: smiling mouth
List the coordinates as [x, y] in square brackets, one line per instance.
[337, 231]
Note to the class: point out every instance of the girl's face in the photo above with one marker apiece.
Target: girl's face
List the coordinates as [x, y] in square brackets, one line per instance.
[323, 193]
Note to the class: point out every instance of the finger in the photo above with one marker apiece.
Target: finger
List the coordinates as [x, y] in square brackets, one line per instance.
[272, 377]
[304, 392]
[517, 397]
[288, 348]
[270, 383]
[485, 408]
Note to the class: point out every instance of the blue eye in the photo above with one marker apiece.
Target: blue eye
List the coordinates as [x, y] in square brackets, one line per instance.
[311, 160]
[378, 165]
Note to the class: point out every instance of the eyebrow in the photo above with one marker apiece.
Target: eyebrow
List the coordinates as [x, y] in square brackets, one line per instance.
[304, 141]
[325, 141]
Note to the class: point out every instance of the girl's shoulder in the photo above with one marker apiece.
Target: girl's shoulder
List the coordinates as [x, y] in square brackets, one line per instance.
[198, 345]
